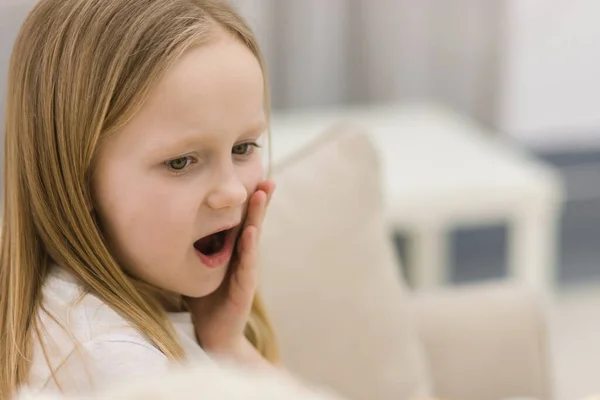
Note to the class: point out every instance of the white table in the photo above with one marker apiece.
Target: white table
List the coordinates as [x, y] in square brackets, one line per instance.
[442, 171]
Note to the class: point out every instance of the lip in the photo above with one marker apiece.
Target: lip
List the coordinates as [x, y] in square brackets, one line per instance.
[222, 228]
[225, 255]
[226, 227]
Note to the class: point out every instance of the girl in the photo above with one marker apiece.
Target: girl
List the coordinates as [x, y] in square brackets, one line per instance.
[133, 192]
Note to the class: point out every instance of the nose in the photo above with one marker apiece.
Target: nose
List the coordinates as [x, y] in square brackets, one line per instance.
[228, 191]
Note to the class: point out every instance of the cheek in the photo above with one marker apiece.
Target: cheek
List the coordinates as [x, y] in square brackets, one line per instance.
[143, 217]
[252, 175]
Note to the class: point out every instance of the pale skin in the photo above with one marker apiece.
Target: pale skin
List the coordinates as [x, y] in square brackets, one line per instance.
[184, 167]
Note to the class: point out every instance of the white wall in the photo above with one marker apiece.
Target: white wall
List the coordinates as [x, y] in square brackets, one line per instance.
[551, 79]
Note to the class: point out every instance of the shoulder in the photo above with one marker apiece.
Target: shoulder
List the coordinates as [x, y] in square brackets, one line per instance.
[96, 364]
[68, 310]
[84, 343]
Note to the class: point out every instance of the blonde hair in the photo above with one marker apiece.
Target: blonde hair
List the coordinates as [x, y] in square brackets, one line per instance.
[80, 69]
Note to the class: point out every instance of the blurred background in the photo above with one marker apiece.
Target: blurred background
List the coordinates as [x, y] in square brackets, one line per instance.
[524, 72]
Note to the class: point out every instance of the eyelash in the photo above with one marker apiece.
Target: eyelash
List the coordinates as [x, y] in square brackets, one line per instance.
[189, 161]
[192, 160]
[251, 147]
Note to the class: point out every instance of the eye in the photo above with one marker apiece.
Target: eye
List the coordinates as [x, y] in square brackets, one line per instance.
[244, 149]
[180, 163]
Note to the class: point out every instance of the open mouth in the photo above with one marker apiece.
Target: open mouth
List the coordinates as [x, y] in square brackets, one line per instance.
[216, 249]
[211, 244]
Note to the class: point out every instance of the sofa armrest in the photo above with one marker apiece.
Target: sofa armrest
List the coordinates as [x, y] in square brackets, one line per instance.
[485, 342]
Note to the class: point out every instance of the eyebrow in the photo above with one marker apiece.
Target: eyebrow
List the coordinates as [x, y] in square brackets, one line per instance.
[257, 128]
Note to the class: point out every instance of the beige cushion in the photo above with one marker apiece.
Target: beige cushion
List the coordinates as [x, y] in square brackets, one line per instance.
[330, 277]
[486, 341]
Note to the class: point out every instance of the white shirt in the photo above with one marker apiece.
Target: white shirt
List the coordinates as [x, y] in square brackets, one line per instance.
[92, 346]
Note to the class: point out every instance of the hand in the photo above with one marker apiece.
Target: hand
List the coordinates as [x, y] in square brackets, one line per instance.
[221, 317]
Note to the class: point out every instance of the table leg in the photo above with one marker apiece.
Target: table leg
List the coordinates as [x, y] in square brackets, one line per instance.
[533, 246]
[427, 257]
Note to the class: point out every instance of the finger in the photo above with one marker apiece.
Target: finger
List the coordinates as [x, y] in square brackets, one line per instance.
[268, 186]
[244, 277]
[256, 207]
[262, 212]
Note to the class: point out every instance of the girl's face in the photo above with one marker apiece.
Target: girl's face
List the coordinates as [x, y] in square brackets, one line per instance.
[183, 169]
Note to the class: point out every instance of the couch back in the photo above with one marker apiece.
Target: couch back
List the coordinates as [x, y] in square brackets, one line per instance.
[330, 276]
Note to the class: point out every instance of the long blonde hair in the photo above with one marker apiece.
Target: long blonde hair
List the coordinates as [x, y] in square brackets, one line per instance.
[80, 69]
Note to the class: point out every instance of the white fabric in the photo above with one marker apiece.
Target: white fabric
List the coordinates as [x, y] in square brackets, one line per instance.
[223, 381]
[89, 346]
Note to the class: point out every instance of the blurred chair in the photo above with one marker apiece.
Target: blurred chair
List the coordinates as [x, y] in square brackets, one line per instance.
[341, 310]
[441, 171]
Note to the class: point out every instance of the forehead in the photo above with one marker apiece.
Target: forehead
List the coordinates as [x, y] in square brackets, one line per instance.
[214, 89]
[212, 79]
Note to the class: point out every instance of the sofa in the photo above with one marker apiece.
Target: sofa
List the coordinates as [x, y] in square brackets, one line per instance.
[344, 315]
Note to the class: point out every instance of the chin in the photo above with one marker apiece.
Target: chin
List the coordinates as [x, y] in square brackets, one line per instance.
[208, 284]
[196, 293]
